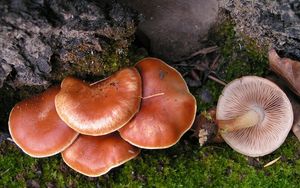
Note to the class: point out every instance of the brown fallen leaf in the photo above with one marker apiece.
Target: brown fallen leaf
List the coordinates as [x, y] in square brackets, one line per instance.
[296, 109]
[206, 129]
[286, 68]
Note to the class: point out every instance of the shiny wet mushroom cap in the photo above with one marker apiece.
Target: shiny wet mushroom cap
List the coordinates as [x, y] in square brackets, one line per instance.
[37, 129]
[254, 116]
[167, 110]
[95, 155]
[102, 107]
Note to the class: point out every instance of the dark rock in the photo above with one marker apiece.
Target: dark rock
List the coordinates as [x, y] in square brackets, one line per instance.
[175, 29]
[40, 40]
[269, 23]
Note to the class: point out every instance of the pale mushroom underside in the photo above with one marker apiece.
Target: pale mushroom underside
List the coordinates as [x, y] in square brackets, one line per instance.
[266, 98]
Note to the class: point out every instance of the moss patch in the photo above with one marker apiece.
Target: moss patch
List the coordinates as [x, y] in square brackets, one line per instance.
[239, 57]
[184, 165]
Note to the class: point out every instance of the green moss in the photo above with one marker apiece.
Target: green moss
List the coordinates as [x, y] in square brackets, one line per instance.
[215, 90]
[91, 65]
[183, 165]
[239, 57]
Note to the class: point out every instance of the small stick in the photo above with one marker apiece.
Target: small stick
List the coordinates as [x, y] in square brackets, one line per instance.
[217, 80]
[195, 75]
[272, 162]
[10, 139]
[202, 51]
[214, 63]
[4, 172]
[154, 95]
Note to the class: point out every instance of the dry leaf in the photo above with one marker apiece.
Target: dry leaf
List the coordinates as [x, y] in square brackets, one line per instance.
[206, 129]
[296, 109]
[286, 68]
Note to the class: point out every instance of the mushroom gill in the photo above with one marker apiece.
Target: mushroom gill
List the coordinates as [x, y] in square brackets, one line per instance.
[273, 112]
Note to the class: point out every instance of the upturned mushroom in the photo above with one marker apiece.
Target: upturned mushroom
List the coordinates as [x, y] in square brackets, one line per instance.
[95, 155]
[295, 101]
[100, 108]
[287, 69]
[37, 129]
[167, 110]
[254, 116]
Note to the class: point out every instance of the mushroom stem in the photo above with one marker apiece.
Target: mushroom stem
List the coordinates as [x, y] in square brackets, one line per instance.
[249, 119]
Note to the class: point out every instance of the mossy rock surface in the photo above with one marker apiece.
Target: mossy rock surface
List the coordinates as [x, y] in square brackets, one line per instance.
[184, 165]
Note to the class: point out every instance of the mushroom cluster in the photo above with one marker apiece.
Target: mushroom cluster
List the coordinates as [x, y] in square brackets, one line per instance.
[99, 126]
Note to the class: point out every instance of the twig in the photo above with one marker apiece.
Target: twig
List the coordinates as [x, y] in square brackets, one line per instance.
[217, 80]
[214, 63]
[10, 139]
[195, 75]
[202, 51]
[4, 172]
[272, 162]
[154, 95]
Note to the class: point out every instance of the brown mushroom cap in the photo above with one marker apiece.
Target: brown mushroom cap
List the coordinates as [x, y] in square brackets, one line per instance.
[251, 93]
[167, 115]
[37, 129]
[102, 107]
[96, 155]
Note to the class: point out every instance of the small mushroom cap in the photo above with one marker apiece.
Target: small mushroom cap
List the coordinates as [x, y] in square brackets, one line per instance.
[37, 129]
[162, 119]
[95, 155]
[102, 107]
[267, 99]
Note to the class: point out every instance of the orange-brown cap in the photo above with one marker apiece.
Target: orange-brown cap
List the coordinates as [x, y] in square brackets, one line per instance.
[37, 129]
[96, 155]
[167, 111]
[102, 107]
[266, 102]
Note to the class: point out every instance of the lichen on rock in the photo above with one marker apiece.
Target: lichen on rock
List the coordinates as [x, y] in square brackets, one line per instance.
[269, 23]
